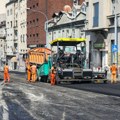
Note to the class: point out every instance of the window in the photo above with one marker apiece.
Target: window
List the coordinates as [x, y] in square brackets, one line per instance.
[113, 1]
[37, 4]
[37, 19]
[33, 21]
[111, 20]
[83, 9]
[96, 14]
[7, 12]
[30, 22]
[33, 6]
[87, 4]
[73, 33]
[113, 6]
[37, 35]
[11, 23]
[16, 23]
[10, 11]
[23, 38]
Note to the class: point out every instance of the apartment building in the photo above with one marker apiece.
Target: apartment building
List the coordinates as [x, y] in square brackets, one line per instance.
[2, 40]
[16, 32]
[68, 24]
[39, 12]
[100, 31]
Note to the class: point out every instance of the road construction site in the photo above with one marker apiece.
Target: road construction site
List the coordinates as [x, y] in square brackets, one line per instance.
[20, 100]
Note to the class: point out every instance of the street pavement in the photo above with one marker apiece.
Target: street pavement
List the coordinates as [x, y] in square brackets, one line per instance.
[20, 100]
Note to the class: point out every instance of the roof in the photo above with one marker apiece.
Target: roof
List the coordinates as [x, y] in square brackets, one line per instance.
[67, 41]
[11, 1]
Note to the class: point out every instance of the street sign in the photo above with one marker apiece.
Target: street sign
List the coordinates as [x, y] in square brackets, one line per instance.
[114, 48]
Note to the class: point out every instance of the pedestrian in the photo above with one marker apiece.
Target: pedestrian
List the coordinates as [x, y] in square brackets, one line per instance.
[106, 69]
[6, 73]
[53, 75]
[113, 70]
[34, 73]
[28, 68]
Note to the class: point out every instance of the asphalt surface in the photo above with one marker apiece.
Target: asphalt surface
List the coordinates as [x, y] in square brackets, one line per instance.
[20, 100]
[107, 89]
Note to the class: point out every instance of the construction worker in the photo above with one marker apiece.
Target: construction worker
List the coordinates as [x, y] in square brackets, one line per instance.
[6, 73]
[106, 69]
[34, 72]
[28, 68]
[113, 70]
[53, 75]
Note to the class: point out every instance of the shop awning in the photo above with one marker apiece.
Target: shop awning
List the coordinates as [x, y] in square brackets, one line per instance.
[67, 41]
[13, 59]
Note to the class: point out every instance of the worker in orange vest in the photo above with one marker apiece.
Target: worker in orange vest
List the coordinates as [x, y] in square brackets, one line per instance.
[113, 70]
[28, 68]
[53, 75]
[34, 72]
[6, 73]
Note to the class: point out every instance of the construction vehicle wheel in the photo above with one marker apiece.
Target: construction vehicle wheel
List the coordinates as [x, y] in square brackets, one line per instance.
[57, 82]
[105, 81]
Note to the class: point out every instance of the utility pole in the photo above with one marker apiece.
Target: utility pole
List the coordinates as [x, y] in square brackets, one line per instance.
[116, 34]
[18, 55]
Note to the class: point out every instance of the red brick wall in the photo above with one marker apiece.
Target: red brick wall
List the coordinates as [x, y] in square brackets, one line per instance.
[35, 30]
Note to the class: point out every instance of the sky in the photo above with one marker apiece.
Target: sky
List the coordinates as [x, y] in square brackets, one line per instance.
[2, 6]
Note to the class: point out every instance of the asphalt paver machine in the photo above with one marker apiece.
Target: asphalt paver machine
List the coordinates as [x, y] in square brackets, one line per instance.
[70, 63]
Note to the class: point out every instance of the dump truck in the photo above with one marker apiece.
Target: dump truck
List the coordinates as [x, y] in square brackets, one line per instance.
[40, 57]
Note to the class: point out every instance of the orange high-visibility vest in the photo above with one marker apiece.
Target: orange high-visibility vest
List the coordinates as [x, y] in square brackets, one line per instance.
[33, 69]
[113, 69]
[28, 67]
[6, 69]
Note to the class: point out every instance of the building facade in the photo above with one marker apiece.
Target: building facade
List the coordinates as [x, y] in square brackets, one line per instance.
[36, 31]
[100, 32]
[2, 40]
[16, 32]
[70, 24]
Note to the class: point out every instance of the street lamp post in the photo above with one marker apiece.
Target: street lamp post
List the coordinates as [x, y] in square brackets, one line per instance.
[18, 54]
[116, 35]
[46, 23]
